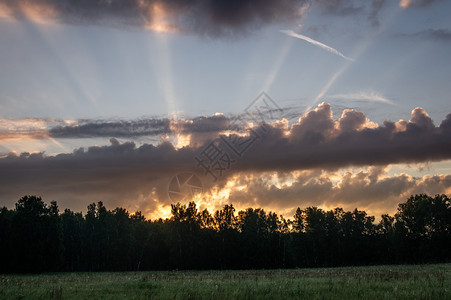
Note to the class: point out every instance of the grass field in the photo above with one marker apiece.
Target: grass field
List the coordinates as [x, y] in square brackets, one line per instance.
[375, 282]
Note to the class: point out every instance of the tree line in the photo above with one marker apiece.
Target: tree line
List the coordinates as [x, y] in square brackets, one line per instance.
[36, 237]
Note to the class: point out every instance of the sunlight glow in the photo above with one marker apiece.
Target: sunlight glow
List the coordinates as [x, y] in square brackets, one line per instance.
[159, 19]
[183, 140]
[215, 198]
[242, 190]
[38, 13]
[161, 211]
[164, 73]
[405, 3]
[5, 12]
[41, 13]
[179, 138]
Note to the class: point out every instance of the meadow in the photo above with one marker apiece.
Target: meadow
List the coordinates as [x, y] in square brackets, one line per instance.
[372, 282]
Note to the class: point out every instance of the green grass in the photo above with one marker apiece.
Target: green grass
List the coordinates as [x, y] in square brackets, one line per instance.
[375, 282]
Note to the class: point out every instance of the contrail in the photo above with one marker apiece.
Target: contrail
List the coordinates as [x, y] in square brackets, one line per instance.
[362, 96]
[316, 43]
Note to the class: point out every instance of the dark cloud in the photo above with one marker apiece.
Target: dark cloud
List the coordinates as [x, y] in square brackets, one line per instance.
[206, 17]
[215, 123]
[373, 16]
[214, 18]
[316, 140]
[129, 129]
[207, 126]
[341, 7]
[320, 141]
[443, 35]
[347, 8]
[120, 173]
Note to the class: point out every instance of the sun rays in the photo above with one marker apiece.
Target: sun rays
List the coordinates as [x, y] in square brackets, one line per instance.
[159, 19]
[359, 49]
[279, 61]
[164, 72]
[131, 87]
[38, 13]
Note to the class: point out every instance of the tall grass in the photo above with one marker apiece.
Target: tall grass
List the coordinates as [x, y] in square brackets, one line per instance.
[375, 282]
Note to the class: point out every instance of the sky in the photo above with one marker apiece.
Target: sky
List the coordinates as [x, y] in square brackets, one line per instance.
[258, 103]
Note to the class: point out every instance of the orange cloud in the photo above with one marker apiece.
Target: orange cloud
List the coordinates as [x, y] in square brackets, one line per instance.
[160, 20]
[405, 3]
[25, 129]
[5, 11]
[38, 12]
[372, 190]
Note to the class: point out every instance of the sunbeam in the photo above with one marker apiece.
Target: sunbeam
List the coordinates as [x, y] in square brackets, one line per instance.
[159, 19]
[278, 62]
[360, 49]
[74, 84]
[164, 72]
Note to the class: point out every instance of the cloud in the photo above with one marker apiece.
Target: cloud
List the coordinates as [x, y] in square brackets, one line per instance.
[205, 17]
[443, 35]
[417, 3]
[213, 18]
[349, 8]
[117, 174]
[316, 43]
[28, 128]
[340, 7]
[373, 16]
[405, 3]
[369, 189]
[90, 128]
[307, 157]
[362, 96]
[128, 129]
[318, 141]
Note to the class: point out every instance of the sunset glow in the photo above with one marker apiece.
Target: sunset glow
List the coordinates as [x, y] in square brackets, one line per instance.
[405, 3]
[265, 104]
[159, 19]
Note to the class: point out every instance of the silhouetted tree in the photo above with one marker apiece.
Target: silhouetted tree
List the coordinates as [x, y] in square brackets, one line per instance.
[228, 238]
[6, 242]
[386, 241]
[36, 237]
[73, 240]
[423, 225]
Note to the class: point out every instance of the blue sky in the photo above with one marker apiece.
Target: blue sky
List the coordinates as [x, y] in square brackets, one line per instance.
[86, 71]
[61, 69]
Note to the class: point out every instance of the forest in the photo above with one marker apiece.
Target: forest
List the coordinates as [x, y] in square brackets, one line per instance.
[36, 237]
